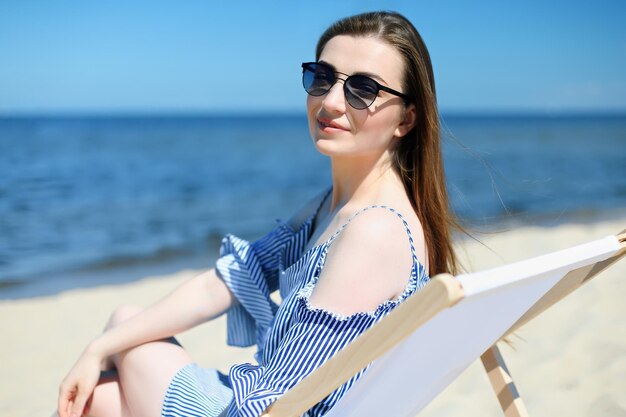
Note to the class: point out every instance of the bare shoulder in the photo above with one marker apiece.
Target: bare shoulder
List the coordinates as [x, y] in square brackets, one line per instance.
[368, 263]
[378, 235]
[388, 228]
[308, 208]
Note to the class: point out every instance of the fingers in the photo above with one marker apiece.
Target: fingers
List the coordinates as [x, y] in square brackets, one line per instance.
[76, 409]
[88, 405]
[65, 402]
[71, 402]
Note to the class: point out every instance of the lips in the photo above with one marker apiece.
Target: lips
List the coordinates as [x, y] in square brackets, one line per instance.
[329, 125]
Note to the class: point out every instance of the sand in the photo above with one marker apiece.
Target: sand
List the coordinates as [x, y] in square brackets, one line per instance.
[571, 361]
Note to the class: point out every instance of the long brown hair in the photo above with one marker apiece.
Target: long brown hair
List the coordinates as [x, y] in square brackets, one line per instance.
[417, 158]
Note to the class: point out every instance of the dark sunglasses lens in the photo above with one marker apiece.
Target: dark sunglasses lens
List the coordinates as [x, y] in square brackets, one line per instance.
[360, 91]
[317, 79]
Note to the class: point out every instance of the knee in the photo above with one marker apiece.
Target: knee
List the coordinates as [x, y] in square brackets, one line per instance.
[122, 313]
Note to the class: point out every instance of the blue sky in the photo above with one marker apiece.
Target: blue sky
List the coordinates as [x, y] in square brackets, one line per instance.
[204, 56]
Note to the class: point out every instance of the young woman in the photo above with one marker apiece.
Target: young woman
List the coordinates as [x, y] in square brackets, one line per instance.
[351, 255]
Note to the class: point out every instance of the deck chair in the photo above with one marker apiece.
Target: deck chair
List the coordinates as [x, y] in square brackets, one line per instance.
[430, 339]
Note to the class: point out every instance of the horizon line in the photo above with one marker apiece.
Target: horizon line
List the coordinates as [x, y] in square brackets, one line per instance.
[173, 113]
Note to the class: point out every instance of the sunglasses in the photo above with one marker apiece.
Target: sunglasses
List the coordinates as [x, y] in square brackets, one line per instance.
[360, 90]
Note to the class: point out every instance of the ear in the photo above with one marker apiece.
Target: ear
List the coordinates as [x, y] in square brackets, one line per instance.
[408, 123]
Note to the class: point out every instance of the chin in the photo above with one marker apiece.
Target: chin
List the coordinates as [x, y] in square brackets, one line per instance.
[323, 145]
[326, 146]
[330, 147]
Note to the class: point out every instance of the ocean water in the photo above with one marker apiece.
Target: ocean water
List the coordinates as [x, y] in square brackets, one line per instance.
[87, 196]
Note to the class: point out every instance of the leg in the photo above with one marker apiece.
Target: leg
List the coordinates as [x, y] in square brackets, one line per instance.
[144, 374]
[108, 400]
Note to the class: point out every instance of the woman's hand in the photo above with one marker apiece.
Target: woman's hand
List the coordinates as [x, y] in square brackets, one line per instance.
[202, 298]
[77, 387]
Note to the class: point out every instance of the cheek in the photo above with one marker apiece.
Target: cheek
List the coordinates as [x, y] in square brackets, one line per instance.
[312, 108]
[379, 128]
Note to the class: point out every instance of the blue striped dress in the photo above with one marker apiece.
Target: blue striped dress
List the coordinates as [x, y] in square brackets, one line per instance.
[293, 339]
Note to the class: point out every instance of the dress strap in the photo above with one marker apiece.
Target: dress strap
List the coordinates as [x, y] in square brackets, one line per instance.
[397, 213]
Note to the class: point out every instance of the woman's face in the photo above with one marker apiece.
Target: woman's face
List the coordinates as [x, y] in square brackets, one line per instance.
[340, 130]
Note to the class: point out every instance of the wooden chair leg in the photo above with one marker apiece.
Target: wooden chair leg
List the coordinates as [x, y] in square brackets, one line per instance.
[502, 383]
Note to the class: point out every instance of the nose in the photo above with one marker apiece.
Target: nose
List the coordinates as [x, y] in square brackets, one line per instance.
[335, 101]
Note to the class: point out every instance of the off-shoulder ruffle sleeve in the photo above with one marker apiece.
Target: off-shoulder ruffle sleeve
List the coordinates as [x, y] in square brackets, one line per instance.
[250, 270]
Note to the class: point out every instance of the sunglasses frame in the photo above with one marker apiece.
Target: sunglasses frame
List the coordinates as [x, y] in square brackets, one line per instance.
[306, 66]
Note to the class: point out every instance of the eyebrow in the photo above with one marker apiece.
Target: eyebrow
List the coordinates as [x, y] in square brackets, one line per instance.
[367, 74]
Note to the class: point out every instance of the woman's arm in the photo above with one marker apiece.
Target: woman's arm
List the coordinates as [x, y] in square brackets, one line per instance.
[202, 298]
